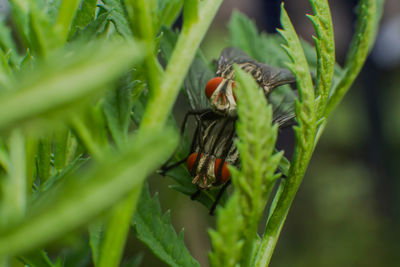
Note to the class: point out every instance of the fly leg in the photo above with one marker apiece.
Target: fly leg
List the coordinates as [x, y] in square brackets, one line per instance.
[166, 167]
[195, 194]
[220, 193]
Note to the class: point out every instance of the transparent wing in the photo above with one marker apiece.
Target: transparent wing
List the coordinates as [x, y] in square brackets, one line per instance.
[199, 74]
[283, 100]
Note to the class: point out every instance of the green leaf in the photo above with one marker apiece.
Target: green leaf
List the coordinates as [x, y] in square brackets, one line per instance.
[43, 37]
[117, 230]
[82, 196]
[94, 29]
[156, 231]
[253, 182]
[118, 17]
[52, 8]
[43, 159]
[261, 47]
[227, 240]
[61, 144]
[96, 230]
[85, 14]
[117, 109]
[325, 48]
[14, 185]
[167, 44]
[187, 44]
[168, 12]
[66, 79]
[60, 177]
[299, 67]
[20, 15]
[135, 261]
[90, 128]
[305, 135]
[7, 43]
[37, 259]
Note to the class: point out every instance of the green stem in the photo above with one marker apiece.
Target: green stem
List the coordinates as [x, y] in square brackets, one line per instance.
[117, 230]
[156, 114]
[15, 189]
[184, 52]
[359, 49]
[86, 137]
[278, 216]
[65, 17]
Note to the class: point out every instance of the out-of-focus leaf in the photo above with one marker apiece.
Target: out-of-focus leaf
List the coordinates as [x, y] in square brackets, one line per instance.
[168, 12]
[167, 44]
[84, 15]
[27, 62]
[96, 231]
[156, 231]
[261, 47]
[37, 259]
[82, 196]
[94, 28]
[43, 36]
[20, 16]
[90, 128]
[195, 83]
[135, 261]
[43, 159]
[65, 79]
[52, 7]
[227, 242]
[118, 17]
[7, 43]
[117, 109]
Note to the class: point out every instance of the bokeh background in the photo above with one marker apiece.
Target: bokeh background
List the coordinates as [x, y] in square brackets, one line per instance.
[346, 212]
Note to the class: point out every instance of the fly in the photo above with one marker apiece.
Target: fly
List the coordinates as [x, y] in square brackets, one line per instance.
[213, 148]
[220, 90]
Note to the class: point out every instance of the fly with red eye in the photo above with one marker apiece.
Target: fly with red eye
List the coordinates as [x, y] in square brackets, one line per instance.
[220, 90]
[213, 148]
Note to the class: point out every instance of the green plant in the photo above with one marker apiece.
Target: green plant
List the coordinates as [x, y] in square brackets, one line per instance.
[85, 117]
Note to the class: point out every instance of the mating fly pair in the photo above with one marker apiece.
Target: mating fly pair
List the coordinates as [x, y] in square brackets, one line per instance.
[213, 147]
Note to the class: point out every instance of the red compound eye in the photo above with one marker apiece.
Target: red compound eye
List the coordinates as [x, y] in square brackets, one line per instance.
[225, 175]
[212, 85]
[192, 160]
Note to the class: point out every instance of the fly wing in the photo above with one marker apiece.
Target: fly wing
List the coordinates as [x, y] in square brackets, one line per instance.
[273, 77]
[195, 83]
[283, 100]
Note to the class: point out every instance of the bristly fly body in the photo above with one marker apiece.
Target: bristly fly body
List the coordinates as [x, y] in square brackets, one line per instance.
[213, 147]
[220, 90]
